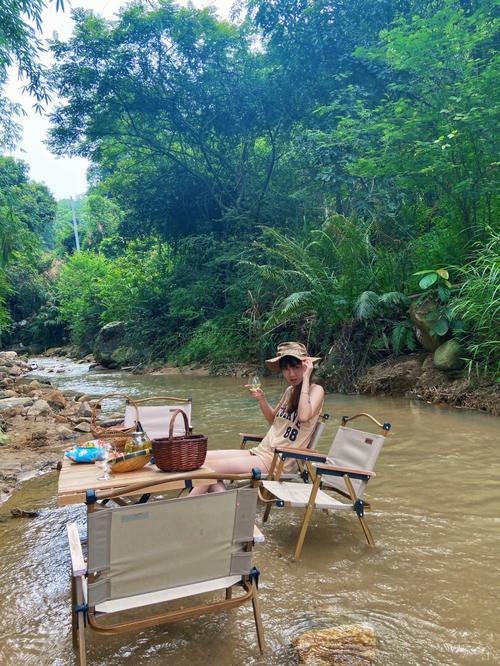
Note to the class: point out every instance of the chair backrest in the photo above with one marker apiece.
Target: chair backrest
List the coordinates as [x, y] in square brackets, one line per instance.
[355, 449]
[155, 419]
[320, 426]
[145, 548]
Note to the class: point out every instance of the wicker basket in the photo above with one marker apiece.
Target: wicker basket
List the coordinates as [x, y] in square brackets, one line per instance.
[180, 454]
[117, 435]
[130, 462]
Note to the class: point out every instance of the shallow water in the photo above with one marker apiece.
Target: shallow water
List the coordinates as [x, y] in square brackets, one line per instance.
[429, 588]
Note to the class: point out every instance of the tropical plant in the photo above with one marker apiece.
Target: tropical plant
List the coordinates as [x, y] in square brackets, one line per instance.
[478, 304]
[387, 317]
[437, 290]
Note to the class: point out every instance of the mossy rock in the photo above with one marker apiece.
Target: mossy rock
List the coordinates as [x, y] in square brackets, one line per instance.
[108, 342]
[122, 356]
[419, 318]
[449, 356]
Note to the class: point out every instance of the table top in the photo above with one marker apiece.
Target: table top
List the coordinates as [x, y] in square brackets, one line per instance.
[76, 478]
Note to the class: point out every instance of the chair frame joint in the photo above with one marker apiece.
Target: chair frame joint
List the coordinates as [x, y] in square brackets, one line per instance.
[359, 507]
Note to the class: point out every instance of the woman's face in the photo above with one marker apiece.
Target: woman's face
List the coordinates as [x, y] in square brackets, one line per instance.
[293, 373]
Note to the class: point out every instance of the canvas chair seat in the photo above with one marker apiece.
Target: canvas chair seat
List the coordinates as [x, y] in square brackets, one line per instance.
[345, 471]
[297, 495]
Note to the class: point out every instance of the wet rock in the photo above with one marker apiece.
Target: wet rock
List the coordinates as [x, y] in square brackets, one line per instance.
[24, 513]
[83, 427]
[346, 645]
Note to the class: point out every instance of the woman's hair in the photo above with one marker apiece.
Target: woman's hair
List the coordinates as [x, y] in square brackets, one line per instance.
[293, 400]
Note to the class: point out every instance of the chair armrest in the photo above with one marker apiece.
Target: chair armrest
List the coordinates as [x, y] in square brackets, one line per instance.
[78, 565]
[301, 454]
[337, 470]
[258, 537]
[248, 437]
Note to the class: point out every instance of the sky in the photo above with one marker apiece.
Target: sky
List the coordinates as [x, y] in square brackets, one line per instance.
[64, 176]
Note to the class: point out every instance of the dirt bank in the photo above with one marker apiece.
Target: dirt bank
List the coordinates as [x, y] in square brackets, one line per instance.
[415, 376]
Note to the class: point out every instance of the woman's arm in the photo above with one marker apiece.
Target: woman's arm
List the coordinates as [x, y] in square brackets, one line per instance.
[268, 411]
[311, 395]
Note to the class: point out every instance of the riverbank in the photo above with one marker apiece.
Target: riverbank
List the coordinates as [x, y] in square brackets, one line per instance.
[414, 376]
[37, 422]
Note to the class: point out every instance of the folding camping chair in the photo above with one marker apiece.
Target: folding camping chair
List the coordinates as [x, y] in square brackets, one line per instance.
[345, 470]
[166, 550]
[155, 419]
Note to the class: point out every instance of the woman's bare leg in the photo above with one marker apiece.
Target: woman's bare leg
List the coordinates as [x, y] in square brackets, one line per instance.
[236, 461]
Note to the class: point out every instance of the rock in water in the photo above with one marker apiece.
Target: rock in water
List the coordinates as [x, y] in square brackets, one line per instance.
[347, 645]
[23, 513]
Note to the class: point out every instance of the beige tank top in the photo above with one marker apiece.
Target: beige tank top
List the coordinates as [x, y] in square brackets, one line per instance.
[286, 431]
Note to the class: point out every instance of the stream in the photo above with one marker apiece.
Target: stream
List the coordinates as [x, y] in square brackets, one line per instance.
[429, 589]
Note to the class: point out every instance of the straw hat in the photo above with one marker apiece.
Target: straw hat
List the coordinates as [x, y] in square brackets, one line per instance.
[295, 349]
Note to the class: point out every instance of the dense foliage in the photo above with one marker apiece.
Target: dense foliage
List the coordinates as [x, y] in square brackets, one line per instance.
[313, 170]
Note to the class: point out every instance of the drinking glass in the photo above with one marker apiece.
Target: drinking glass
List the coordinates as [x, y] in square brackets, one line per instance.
[106, 456]
[255, 383]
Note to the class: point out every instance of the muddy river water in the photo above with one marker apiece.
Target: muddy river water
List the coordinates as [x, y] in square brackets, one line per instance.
[429, 589]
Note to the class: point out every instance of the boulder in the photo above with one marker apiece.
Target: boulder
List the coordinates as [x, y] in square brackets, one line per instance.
[346, 645]
[7, 403]
[449, 356]
[108, 341]
[85, 410]
[7, 393]
[65, 433]
[39, 408]
[418, 315]
[7, 355]
[56, 400]
[83, 427]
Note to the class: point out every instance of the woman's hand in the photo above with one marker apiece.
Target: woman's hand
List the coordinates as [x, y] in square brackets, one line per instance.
[256, 393]
[307, 366]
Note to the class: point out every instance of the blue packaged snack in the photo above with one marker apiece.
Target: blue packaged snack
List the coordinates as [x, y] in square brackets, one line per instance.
[87, 453]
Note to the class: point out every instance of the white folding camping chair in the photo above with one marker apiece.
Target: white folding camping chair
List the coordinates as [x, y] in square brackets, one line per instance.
[344, 471]
[155, 419]
[160, 552]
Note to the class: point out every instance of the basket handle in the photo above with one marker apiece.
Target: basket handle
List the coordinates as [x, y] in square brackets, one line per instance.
[172, 422]
[93, 423]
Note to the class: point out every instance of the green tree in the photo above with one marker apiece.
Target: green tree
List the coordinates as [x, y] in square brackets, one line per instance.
[20, 46]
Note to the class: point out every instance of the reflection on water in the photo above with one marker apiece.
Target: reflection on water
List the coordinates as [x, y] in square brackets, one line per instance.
[429, 588]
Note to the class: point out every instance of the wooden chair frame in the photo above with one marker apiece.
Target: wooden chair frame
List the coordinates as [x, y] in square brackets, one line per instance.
[83, 615]
[315, 463]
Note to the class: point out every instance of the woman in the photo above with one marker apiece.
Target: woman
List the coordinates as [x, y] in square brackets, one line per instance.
[292, 422]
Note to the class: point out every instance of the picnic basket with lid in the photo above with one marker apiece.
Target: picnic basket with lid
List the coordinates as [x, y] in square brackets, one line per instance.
[118, 435]
[180, 454]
